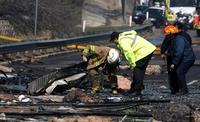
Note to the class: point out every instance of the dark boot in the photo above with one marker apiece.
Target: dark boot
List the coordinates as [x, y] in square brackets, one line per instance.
[174, 91]
[182, 92]
[136, 88]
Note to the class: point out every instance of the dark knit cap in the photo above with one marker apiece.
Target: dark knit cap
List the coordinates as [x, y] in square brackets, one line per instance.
[114, 35]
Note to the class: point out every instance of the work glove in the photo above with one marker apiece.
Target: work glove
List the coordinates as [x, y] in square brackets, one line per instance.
[172, 67]
[163, 56]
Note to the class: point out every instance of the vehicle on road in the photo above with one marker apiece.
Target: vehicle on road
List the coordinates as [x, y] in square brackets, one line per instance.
[156, 16]
[137, 15]
[180, 10]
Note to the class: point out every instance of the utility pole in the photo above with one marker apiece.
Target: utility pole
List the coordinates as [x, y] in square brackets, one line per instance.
[36, 15]
[124, 9]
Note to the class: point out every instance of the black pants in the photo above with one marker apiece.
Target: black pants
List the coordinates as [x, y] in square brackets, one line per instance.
[139, 72]
[181, 71]
[172, 77]
[177, 79]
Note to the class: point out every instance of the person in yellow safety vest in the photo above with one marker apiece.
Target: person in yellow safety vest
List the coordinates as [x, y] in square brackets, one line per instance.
[101, 58]
[138, 52]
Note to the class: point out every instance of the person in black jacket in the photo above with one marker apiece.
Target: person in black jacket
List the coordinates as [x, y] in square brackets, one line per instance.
[166, 55]
[179, 60]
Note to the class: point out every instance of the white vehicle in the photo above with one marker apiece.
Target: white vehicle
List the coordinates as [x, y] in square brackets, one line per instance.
[182, 6]
[182, 9]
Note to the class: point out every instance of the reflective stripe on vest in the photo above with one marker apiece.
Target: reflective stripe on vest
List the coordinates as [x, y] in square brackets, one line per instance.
[133, 39]
[92, 48]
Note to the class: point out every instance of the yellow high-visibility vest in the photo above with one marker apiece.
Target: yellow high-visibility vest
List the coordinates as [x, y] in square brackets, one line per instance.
[134, 47]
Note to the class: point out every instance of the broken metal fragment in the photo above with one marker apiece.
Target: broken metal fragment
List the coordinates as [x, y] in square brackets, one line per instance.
[38, 86]
[64, 81]
[8, 75]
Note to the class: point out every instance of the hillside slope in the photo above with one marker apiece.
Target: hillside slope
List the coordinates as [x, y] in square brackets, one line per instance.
[105, 12]
[61, 18]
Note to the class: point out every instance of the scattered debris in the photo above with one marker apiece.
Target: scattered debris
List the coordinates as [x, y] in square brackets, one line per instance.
[64, 81]
[47, 98]
[123, 83]
[8, 75]
[72, 98]
[153, 69]
[6, 69]
[163, 87]
[23, 98]
[115, 99]
[39, 85]
[76, 94]
[3, 117]
[81, 119]
[7, 97]
[196, 116]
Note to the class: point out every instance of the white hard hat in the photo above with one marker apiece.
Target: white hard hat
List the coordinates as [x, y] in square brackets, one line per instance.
[113, 56]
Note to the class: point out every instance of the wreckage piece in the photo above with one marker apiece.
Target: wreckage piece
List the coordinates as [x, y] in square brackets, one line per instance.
[13, 88]
[5, 77]
[39, 85]
[11, 82]
[76, 94]
[6, 69]
[64, 82]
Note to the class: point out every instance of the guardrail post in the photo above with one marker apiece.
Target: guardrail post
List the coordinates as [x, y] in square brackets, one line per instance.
[130, 21]
[147, 16]
[84, 24]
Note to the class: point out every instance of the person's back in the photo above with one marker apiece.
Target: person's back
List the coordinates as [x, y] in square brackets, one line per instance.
[134, 47]
[183, 31]
[181, 49]
[187, 36]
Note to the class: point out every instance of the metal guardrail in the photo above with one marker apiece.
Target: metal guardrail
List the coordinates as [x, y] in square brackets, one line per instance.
[33, 45]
